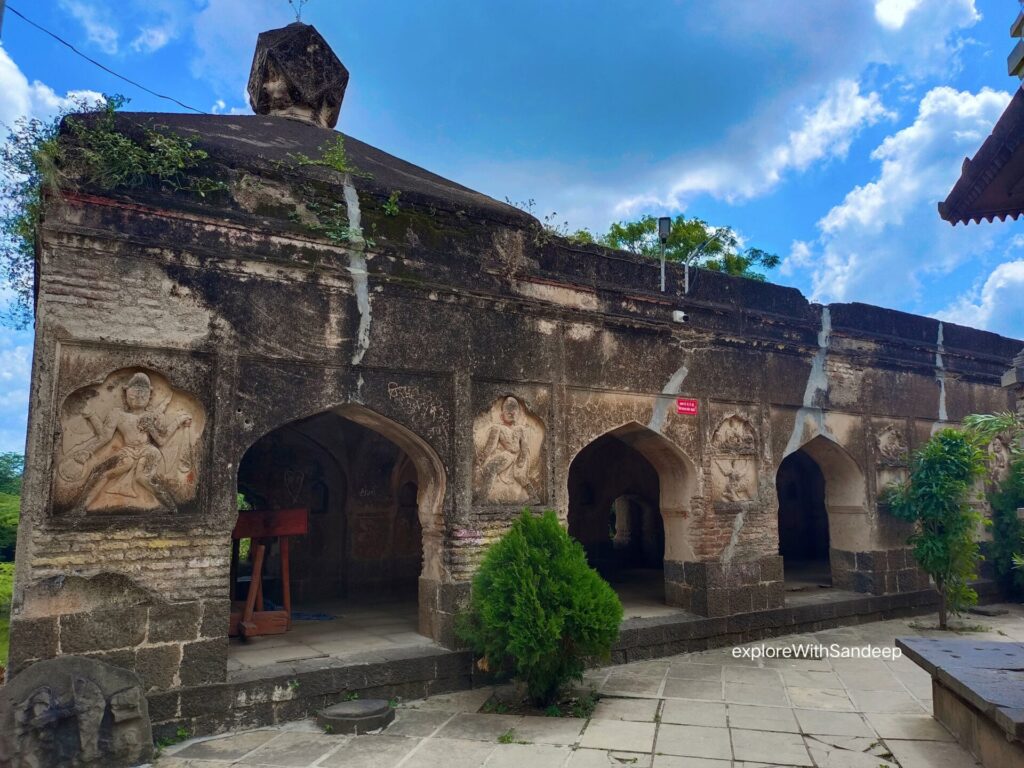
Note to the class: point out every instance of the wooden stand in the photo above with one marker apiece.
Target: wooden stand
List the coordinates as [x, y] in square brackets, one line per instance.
[262, 527]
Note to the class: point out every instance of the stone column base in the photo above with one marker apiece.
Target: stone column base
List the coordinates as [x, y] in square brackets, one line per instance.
[877, 572]
[440, 603]
[714, 589]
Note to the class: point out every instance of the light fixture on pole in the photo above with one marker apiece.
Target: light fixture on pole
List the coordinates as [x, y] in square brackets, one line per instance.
[664, 227]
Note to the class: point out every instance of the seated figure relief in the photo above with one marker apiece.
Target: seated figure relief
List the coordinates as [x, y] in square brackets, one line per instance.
[508, 445]
[128, 445]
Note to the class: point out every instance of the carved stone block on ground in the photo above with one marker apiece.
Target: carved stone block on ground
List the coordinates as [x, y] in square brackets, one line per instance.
[73, 712]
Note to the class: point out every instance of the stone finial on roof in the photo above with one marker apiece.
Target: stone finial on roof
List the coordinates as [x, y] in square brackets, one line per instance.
[296, 74]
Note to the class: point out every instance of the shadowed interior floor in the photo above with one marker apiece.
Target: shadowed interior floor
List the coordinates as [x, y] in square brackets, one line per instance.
[356, 628]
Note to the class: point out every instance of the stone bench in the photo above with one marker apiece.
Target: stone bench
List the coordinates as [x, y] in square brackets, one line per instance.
[978, 694]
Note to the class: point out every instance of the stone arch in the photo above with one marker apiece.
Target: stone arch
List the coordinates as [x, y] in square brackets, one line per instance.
[430, 471]
[845, 494]
[417, 468]
[671, 484]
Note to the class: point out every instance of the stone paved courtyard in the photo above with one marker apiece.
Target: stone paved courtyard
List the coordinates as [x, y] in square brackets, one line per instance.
[697, 710]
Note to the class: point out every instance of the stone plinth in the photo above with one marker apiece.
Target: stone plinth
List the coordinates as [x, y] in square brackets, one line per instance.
[978, 690]
[356, 716]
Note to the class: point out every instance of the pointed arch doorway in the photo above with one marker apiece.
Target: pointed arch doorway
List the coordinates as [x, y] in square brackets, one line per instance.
[629, 492]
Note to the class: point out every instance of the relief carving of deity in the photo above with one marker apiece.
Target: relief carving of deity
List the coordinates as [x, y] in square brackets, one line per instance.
[734, 435]
[999, 459]
[892, 446]
[128, 445]
[508, 442]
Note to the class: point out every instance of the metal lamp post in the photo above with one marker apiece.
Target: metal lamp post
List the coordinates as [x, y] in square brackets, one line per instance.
[664, 227]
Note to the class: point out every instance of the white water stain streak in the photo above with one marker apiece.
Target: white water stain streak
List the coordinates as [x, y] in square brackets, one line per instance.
[357, 269]
[734, 538]
[816, 389]
[940, 377]
[661, 404]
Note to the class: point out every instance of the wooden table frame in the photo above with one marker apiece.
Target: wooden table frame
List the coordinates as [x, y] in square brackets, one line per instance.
[262, 527]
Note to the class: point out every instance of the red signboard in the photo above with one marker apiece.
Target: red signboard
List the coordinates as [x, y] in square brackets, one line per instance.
[686, 406]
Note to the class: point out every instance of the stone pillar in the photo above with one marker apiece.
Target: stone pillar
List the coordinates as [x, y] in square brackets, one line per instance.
[1013, 381]
[714, 588]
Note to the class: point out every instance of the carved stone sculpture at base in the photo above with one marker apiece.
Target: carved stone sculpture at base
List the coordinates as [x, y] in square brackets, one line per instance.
[73, 712]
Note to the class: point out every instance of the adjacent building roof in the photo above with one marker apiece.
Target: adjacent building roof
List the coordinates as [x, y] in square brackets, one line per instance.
[991, 184]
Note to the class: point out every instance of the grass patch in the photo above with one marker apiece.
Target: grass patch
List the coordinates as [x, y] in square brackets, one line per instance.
[958, 628]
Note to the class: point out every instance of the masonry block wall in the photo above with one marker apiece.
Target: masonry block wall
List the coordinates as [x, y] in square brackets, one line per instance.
[174, 333]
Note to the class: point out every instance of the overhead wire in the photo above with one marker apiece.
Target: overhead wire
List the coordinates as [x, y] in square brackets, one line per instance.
[104, 67]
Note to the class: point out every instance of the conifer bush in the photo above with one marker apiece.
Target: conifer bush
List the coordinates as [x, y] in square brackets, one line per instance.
[538, 610]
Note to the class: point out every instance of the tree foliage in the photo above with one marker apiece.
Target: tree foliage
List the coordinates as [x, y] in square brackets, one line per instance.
[721, 249]
[936, 498]
[538, 610]
[11, 467]
[36, 161]
[1008, 530]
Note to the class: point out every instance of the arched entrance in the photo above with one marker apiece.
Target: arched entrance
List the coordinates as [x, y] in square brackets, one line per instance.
[803, 522]
[371, 491]
[629, 491]
[822, 506]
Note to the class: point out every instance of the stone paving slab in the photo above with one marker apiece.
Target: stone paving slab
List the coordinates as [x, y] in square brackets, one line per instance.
[701, 710]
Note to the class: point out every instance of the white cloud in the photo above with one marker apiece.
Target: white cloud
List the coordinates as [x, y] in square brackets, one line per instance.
[824, 132]
[892, 14]
[21, 98]
[885, 237]
[152, 39]
[996, 306]
[29, 99]
[98, 29]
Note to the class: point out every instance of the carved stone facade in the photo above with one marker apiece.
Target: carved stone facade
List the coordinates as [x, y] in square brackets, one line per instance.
[415, 391]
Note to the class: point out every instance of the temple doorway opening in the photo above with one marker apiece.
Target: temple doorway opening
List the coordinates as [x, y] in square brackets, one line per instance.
[803, 523]
[335, 505]
[614, 512]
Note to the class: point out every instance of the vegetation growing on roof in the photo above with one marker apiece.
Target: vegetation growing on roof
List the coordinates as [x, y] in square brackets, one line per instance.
[36, 161]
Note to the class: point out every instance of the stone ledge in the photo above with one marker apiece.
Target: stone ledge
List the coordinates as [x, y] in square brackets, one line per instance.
[987, 677]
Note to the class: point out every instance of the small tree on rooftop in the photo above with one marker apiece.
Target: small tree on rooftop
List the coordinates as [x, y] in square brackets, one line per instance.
[538, 610]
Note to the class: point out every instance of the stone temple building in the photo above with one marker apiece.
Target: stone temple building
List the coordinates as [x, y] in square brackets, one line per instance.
[408, 363]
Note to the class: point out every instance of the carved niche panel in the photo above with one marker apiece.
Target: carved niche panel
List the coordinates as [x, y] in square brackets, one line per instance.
[734, 480]
[508, 443]
[891, 447]
[129, 444]
[999, 459]
[734, 434]
[734, 460]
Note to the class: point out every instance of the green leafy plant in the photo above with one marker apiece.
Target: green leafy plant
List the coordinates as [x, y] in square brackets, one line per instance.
[538, 611]
[511, 737]
[332, 155]
[294, 685]
[1008, 530]
[391, 204]
[179, 736]
[38, 160]
[936, 498]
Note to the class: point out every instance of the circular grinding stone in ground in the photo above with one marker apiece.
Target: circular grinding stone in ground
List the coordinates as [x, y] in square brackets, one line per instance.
[357, 716]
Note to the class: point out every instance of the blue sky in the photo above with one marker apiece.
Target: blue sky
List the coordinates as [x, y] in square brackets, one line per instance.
[822, 130]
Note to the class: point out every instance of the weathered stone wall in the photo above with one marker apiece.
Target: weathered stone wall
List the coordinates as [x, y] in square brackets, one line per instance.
[488, 352]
